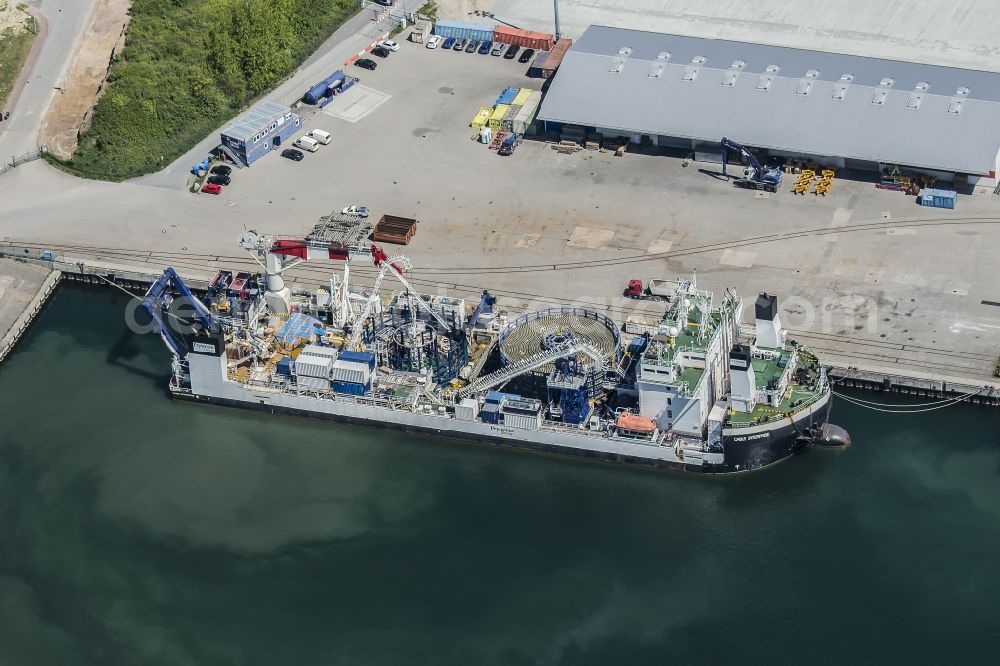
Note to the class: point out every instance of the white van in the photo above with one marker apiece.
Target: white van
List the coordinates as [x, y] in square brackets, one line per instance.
[321, 136]
[307, 143]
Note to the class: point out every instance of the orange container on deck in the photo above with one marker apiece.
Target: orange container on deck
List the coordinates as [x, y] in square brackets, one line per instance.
[539, 41]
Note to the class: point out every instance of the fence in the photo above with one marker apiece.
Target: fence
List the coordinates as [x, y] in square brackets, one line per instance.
[18, 160]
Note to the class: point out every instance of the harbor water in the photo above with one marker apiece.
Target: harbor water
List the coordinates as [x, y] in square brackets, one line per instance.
[138, 530]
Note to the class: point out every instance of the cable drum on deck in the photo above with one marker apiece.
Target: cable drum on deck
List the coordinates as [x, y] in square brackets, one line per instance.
[535, 331]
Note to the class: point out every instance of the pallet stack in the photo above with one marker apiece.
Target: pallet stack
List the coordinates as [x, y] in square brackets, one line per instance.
[394, 229]
[825, 182]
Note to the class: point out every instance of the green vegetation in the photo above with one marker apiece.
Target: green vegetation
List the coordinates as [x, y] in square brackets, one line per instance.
[187, 67]
[14, 47]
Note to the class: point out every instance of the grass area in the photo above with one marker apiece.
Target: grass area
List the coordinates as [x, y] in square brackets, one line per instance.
[14, 47]
[188, 66]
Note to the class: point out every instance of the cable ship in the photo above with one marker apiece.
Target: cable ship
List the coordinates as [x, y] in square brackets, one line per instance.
[694, 391]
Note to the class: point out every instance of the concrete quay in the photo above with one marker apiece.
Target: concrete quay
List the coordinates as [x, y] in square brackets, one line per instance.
[24, 288]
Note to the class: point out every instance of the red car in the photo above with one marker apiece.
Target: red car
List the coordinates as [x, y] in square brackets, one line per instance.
[211, 188]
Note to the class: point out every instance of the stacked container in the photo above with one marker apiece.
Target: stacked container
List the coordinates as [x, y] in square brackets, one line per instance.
[523, 121]
[555, 58]
[313, 370]
[540, 41]
[352, 372]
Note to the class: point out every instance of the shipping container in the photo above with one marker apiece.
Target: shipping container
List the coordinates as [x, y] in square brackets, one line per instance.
[524, 119]
[499, 111]
[350, 371]
[937, 198]
[490, 413]
[522, 96]
[480, 32]
[549, 67]
[285, 366]
[349, 387]
[496, 397]
[317, 383]
[507, 122]
[320, 350]
[540, 41]
[522, 421]
[467, 410]
[367, 358]
[313, 366]
[507, 96]
[481, 118]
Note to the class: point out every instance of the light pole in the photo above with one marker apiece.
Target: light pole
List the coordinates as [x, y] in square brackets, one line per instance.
[555, 10]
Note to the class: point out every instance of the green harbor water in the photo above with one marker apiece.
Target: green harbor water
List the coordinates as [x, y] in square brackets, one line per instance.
[135, 530]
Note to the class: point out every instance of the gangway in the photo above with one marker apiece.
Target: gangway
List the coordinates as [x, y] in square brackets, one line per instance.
[158, 301]
[524, 365]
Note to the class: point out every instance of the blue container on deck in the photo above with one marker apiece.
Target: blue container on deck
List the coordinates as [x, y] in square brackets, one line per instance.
[285, 366]
[359, 357]
[480, 32]
[507, 96]
[350, 388]
[937, 198]
[490, 413]
[496, 397]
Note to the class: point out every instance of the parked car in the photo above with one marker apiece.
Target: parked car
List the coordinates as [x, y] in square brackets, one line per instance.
[472, 46]
[448, 43]
[485, 47]
[292, 154]
[365, 63]
[460, 44]
[512, 52]
[508, 145]
[222, 170]
[389, 44]
[497, 48]
[211, 188]
[380, 51]
[526, 56]
[360, 211]
[220, 180]
[434, 42]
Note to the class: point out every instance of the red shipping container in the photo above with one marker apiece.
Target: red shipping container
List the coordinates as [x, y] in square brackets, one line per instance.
[556, 57]
[539, 41]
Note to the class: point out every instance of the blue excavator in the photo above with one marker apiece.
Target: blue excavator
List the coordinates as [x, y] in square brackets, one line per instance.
[755, 175]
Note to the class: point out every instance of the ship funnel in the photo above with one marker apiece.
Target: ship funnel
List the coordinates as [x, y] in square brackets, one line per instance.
[769, 331]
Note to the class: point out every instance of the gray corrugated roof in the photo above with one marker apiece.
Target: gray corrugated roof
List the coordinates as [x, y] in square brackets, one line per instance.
[585, 92]
[260, 116]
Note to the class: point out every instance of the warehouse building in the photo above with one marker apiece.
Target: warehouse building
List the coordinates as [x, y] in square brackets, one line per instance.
[263, 128]
[840, 110]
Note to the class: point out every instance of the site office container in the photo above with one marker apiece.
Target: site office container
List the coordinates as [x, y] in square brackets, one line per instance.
[480, 32]
[556, 55]
[937, 198]
[540, 41]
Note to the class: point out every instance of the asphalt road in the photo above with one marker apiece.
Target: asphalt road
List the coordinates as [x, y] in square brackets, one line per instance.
[66, 19]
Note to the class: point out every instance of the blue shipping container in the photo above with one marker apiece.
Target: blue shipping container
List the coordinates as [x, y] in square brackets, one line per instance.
[490, 413]
[507, 96]
[480, 32]
[349, 387]
[359, 357]
[937, 198]
[285, 366]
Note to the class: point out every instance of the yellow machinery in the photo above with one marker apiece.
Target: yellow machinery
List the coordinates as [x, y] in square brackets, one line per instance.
[825, 182]
[805, 180]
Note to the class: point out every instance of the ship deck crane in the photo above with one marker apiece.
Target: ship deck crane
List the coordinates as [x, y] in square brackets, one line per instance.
[278, 256]
[159, 301]
[755, 176]
[394, 265]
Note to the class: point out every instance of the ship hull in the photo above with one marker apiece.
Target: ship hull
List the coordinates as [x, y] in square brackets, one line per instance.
[740, 455]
